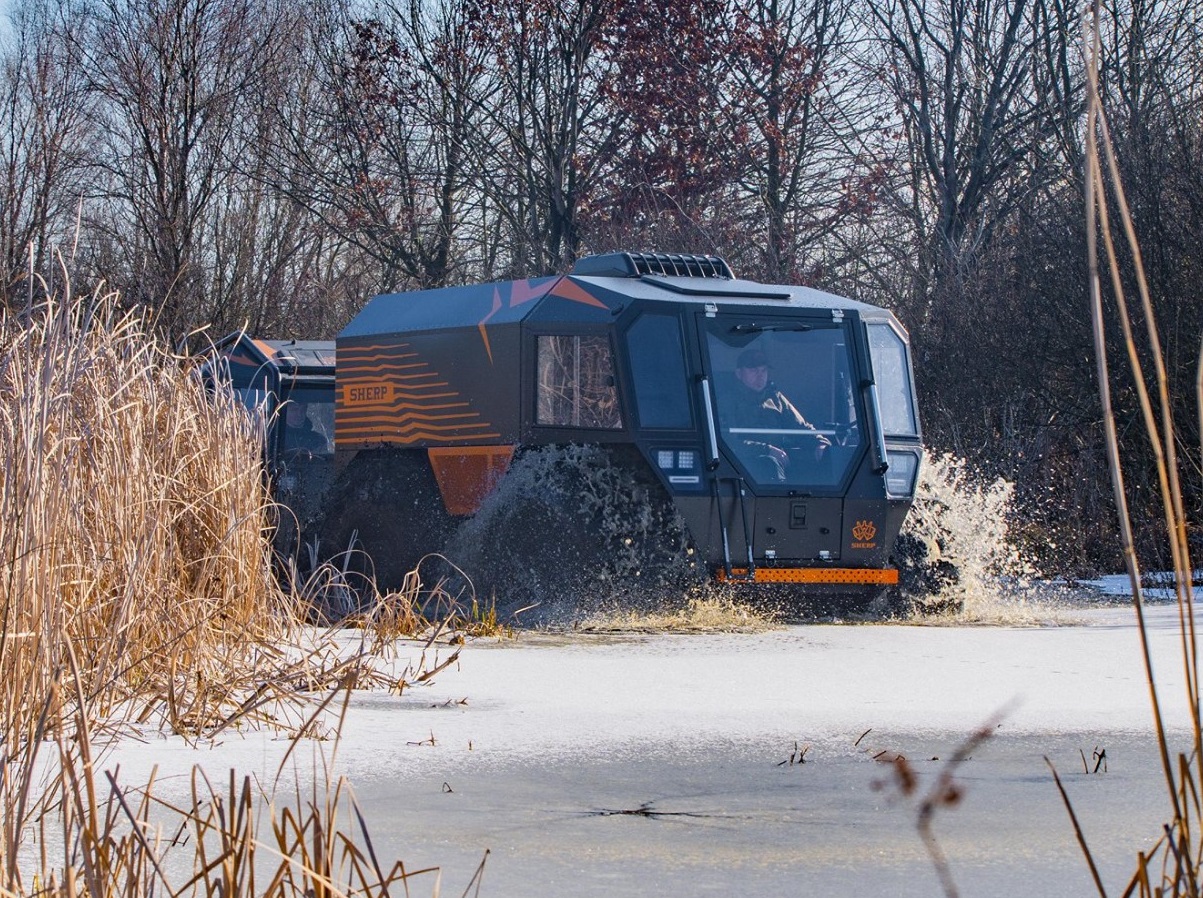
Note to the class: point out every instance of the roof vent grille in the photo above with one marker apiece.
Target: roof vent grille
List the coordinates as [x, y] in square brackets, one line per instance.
[631, 265]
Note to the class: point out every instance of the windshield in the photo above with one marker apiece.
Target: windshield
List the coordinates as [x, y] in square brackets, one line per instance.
[784, 400]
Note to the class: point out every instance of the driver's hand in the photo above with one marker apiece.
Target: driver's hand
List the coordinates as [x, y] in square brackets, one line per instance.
[779, 455]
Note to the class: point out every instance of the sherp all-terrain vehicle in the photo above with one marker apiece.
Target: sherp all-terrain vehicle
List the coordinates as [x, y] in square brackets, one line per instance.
[640, 423]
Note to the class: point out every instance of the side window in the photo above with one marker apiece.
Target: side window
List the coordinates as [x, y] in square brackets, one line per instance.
[893, 376]
[658, 367]
[576, 383]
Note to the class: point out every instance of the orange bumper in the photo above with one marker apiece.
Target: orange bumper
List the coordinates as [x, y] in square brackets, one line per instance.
[840, 575]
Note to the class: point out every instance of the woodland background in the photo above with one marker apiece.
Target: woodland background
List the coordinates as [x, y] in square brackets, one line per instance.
[271, 164]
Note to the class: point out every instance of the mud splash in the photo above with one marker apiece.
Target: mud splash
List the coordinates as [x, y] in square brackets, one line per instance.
[569, 533]
[620, 557]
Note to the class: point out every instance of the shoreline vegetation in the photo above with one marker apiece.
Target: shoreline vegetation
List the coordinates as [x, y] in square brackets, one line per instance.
[1173, 864]
[138, 589]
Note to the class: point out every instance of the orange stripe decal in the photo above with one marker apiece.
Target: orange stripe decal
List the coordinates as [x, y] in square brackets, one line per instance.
[389, 394]
[844, 575]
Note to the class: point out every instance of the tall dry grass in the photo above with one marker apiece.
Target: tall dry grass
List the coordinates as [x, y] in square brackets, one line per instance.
[136, 585]
[228, 837]
[133, 569]
[1174, 865]
[132, 523]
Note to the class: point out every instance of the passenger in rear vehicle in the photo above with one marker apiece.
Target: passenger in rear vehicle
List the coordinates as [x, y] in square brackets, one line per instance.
[300, 436]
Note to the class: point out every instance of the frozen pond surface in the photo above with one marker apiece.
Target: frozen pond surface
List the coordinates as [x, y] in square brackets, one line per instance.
[642, 765]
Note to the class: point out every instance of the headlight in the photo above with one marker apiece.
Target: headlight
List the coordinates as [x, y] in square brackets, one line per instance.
[902, 473]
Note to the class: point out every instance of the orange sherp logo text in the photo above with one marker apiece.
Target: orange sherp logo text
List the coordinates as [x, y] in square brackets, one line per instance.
[863, 533]
[359, 394]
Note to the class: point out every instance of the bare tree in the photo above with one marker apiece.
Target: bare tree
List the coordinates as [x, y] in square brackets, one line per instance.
[674, 150]
[377, 148]
[742, 130]
[44, 140]
[1152, 86]
[549, 134]
[792, 93]
[172, 79]
[960, 72]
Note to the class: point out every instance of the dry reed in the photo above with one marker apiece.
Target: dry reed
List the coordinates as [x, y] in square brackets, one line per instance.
[709, 613]
[137, 584]
[228, 838]
[131, 520]
[1174, 864]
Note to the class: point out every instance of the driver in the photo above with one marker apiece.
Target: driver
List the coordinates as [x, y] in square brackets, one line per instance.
[756, 402]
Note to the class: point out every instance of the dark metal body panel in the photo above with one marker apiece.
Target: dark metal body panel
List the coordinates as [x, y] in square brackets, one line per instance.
[477, 305]
[429, 388]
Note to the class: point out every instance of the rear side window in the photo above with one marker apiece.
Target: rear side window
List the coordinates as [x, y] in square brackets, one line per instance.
[576, 385]
[657, 355]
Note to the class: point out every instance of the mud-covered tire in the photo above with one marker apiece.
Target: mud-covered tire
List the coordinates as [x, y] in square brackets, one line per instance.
[572, 530]
[384, 513]
[925, 581]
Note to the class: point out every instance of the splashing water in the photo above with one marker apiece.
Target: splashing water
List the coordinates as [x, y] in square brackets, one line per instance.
[618, 558]
[963, 519]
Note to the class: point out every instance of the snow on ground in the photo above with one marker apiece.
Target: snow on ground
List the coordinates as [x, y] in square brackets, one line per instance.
[660, 764]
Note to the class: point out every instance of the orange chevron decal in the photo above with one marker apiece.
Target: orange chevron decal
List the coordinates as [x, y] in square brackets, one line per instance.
[421, 432]
[408, 416]
[524, 291]
[385, 365]
[484, 334]
[360, 421]
[388, 349]
[386, 373]
[566, 289]
[520, 292]
[417, 431]
[420, 437]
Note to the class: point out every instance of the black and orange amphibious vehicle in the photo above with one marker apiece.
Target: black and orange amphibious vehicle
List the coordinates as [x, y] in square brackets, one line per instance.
[644, 419]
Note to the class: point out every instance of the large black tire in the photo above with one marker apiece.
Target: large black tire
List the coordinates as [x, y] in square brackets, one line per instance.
[926, 580]
[384, 513]
[574, 530]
